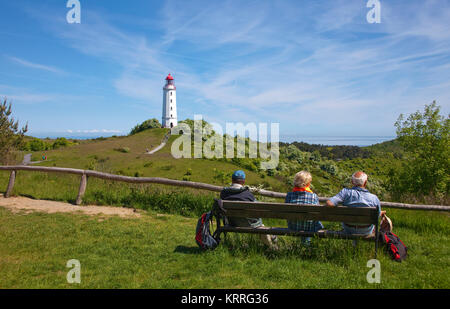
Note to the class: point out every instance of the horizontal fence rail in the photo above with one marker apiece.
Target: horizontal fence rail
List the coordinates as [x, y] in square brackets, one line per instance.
[171, 182]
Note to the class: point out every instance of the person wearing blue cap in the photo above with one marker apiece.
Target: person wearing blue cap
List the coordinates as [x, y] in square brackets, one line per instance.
[238, 192]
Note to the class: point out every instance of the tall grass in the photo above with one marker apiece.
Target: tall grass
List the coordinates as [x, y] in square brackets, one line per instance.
[172, 200]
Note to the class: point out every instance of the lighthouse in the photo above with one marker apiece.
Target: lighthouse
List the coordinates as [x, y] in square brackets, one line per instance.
[169, 113]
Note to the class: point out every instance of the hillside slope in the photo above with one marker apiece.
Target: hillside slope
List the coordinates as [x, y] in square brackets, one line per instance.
[126, 155]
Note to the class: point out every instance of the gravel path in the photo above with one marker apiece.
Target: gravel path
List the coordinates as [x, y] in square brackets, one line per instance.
[27, 160]
[20, 204]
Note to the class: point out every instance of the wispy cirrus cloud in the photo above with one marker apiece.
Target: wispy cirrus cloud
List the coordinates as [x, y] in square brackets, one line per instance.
[37, 66]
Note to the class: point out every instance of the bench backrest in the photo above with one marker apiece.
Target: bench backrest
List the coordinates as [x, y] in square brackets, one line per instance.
[361, 215]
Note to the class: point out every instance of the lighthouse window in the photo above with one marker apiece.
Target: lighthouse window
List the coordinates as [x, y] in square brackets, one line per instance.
[170, 93]
[171, 108]
[170, 100]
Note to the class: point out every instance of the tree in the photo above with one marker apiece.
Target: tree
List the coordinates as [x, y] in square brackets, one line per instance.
[11, 138]
[426, 166]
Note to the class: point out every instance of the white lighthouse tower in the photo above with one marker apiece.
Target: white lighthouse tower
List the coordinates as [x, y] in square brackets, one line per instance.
[169, 114]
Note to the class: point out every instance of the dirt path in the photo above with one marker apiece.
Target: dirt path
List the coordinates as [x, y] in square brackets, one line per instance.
[17, 204]
[163, 143]
[27, 160]
[156, 149]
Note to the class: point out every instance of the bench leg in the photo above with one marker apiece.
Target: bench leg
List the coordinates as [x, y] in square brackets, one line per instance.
[376, 240]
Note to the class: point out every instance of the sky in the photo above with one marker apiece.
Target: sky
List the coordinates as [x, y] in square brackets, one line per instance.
[318, 68]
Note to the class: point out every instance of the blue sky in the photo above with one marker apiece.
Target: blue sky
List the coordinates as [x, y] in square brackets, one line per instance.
[316, 67]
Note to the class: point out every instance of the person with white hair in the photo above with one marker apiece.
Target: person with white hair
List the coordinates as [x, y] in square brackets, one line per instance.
[358, 196]
[302, 194]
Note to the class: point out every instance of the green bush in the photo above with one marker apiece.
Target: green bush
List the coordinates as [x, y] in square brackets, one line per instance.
[61, 142]
[425, 168]
[123, 149]
[36, 144]
[329, 168]
[148, 124]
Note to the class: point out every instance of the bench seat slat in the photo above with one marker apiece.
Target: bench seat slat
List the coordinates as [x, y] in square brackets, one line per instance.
[288, 232]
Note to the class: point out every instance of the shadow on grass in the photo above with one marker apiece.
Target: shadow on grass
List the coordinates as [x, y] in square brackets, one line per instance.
[187, 250]
[337, 252]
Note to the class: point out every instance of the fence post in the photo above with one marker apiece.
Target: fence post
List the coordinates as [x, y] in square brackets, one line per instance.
[12, 179]
[82, 189]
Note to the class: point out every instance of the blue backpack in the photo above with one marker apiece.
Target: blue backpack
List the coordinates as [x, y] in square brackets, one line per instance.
[203, 235]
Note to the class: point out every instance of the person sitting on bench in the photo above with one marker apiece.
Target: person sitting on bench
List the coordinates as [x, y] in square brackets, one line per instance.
[358, 196]
[302, 194]
[238, 192]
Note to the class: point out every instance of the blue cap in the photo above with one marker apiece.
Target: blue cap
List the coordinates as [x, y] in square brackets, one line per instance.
[238, 175]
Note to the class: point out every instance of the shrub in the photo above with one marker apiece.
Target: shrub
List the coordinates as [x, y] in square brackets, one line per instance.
[329, 167]
[36, 144]
[148, 124]
[60, 142]
[123, 149]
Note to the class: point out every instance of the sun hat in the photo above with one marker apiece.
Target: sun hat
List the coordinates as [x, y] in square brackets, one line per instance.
[386, 224]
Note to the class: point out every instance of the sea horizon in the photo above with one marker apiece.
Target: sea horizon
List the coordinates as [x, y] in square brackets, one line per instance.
[360, 141]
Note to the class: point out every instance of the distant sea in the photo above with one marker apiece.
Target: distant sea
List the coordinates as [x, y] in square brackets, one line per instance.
[360, 141]
[68, 135]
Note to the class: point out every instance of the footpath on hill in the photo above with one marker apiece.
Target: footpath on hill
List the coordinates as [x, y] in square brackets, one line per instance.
[163, 143]
[19, 204]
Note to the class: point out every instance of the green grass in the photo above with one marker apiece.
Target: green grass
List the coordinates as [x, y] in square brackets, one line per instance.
[156, 251]
[159, 251]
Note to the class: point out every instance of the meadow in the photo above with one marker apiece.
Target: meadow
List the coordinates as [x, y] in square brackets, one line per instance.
[158, 250]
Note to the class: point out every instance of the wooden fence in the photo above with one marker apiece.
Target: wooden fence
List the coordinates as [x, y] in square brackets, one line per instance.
[164, 181]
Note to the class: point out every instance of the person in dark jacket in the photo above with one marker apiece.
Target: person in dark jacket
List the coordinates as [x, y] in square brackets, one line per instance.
[238, 192]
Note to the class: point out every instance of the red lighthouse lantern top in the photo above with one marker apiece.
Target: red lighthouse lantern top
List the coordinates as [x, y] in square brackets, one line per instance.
[169, 83]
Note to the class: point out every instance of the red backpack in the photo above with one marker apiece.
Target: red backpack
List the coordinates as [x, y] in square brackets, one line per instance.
[203, 235]
[394, 246]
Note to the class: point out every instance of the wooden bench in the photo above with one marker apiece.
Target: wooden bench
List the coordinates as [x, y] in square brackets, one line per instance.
[293, 212]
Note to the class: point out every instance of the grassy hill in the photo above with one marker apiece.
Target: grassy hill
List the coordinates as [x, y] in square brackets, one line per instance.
[125, 155]
[331, 166]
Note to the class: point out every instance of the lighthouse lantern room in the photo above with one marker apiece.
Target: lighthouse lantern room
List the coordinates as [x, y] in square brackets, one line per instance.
[169, 113]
